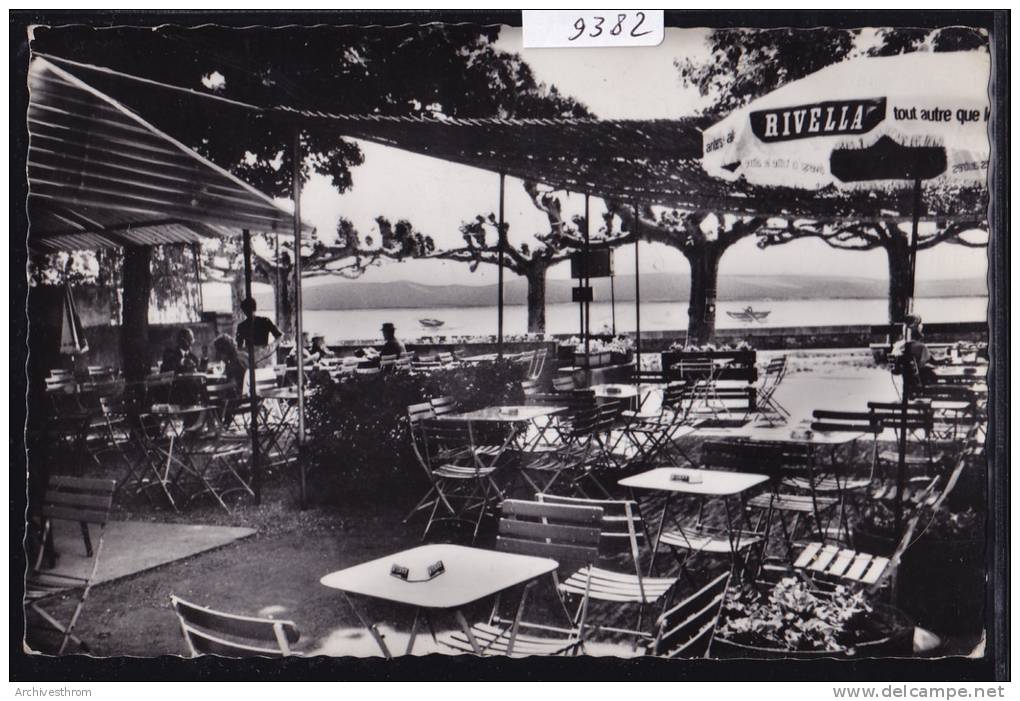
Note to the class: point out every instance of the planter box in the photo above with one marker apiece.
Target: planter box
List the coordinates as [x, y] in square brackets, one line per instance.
[595, 360]
[621, 358]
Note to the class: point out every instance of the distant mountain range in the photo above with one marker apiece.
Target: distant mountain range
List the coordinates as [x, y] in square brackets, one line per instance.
[655, 287]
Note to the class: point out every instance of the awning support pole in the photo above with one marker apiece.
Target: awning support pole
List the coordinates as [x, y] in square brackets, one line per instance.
[298, 159]
[502, 250]
[637, 288]
[587, 305]
[253, 400]
[908, 366]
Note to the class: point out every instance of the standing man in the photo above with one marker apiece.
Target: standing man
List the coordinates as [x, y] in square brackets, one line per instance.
[258, 328]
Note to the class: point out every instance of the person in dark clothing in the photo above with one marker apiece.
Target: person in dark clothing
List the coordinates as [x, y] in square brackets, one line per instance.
[391, 346]
[308, 355]
[179, 358]
[259, 328]
[234, 367]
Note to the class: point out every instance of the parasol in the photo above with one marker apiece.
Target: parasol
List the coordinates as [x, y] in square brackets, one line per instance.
[915, 120]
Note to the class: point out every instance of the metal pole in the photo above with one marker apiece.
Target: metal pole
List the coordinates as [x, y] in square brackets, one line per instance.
[637, 288]
[256, 461]
[587, 284]
[502, 249]
[907, 366]
[612, 300]
[298, 159]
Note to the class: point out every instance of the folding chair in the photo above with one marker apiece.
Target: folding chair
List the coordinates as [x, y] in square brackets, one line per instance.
[919, 426]
[841, 477]
[687, 629]
[650, 437]
[834, 564]
[462, 477]
[623, 530]
[537, 364]
[572, 457]
[563, 382]
[570, 535]
[74, 500]
[779, 460]
[771, 410]
[529, 387]
[210, 632]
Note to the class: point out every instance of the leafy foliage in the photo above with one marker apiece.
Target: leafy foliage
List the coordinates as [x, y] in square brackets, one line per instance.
[358, 435]
[744, 64]
[793, 616]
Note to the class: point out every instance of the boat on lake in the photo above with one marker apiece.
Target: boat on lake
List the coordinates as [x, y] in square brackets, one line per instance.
[749, 314]
[431, 323]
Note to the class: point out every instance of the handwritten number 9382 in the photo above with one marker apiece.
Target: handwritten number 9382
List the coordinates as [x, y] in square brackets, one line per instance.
[614, 30]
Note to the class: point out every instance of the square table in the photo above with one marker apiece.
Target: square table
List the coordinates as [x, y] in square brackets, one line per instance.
[714, 484]
[472, 574]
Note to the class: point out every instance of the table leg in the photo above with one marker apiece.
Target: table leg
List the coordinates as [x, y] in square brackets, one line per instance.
[372, 630]
[462, 622]
[414, 632]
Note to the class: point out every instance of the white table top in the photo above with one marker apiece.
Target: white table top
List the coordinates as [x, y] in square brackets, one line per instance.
[793, 433]
[717, 483]
[471, 574]
[962, 371]
[506, 414]
[615, 391]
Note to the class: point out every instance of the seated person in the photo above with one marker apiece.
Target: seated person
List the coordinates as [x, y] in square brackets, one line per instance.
[179, 358]
[234, 367]
[320, 348]
[922, 357]
[391, 346]
[310, 356]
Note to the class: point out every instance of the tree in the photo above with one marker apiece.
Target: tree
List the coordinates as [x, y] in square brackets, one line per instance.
[530, 262]
[702, 237]
[893, 238]
[348, 255]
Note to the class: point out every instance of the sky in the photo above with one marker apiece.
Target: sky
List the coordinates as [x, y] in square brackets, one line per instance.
[437, 197]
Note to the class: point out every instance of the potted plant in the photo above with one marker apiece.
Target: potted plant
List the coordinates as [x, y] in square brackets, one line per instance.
[794, 619]
[941, 577]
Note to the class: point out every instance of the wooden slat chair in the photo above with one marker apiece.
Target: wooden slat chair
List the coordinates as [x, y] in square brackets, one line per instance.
[687, 629]
[920, 428]
[565, 533]
[780, 461]
[447, 359]
[724, 403]
[210, 632]
[463, 477]
[829, 562]
[563, 382]
[529, 387]
[402, 363]
[445, 405]
[537, 364]
[623, 533]
[78, 500]
[769, 407]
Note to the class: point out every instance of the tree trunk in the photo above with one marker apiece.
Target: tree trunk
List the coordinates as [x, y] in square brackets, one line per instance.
[897, 251]
[236, 295]
[134, 328]
[704, 261]
[536, 298]
[283, 298]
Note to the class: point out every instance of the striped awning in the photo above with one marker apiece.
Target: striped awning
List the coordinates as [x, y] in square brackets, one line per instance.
[102, 176]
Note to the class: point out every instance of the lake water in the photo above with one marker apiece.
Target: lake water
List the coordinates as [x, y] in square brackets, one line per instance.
[342, 325]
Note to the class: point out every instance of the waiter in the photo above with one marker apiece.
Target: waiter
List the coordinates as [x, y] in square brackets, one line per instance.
[257, 329]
